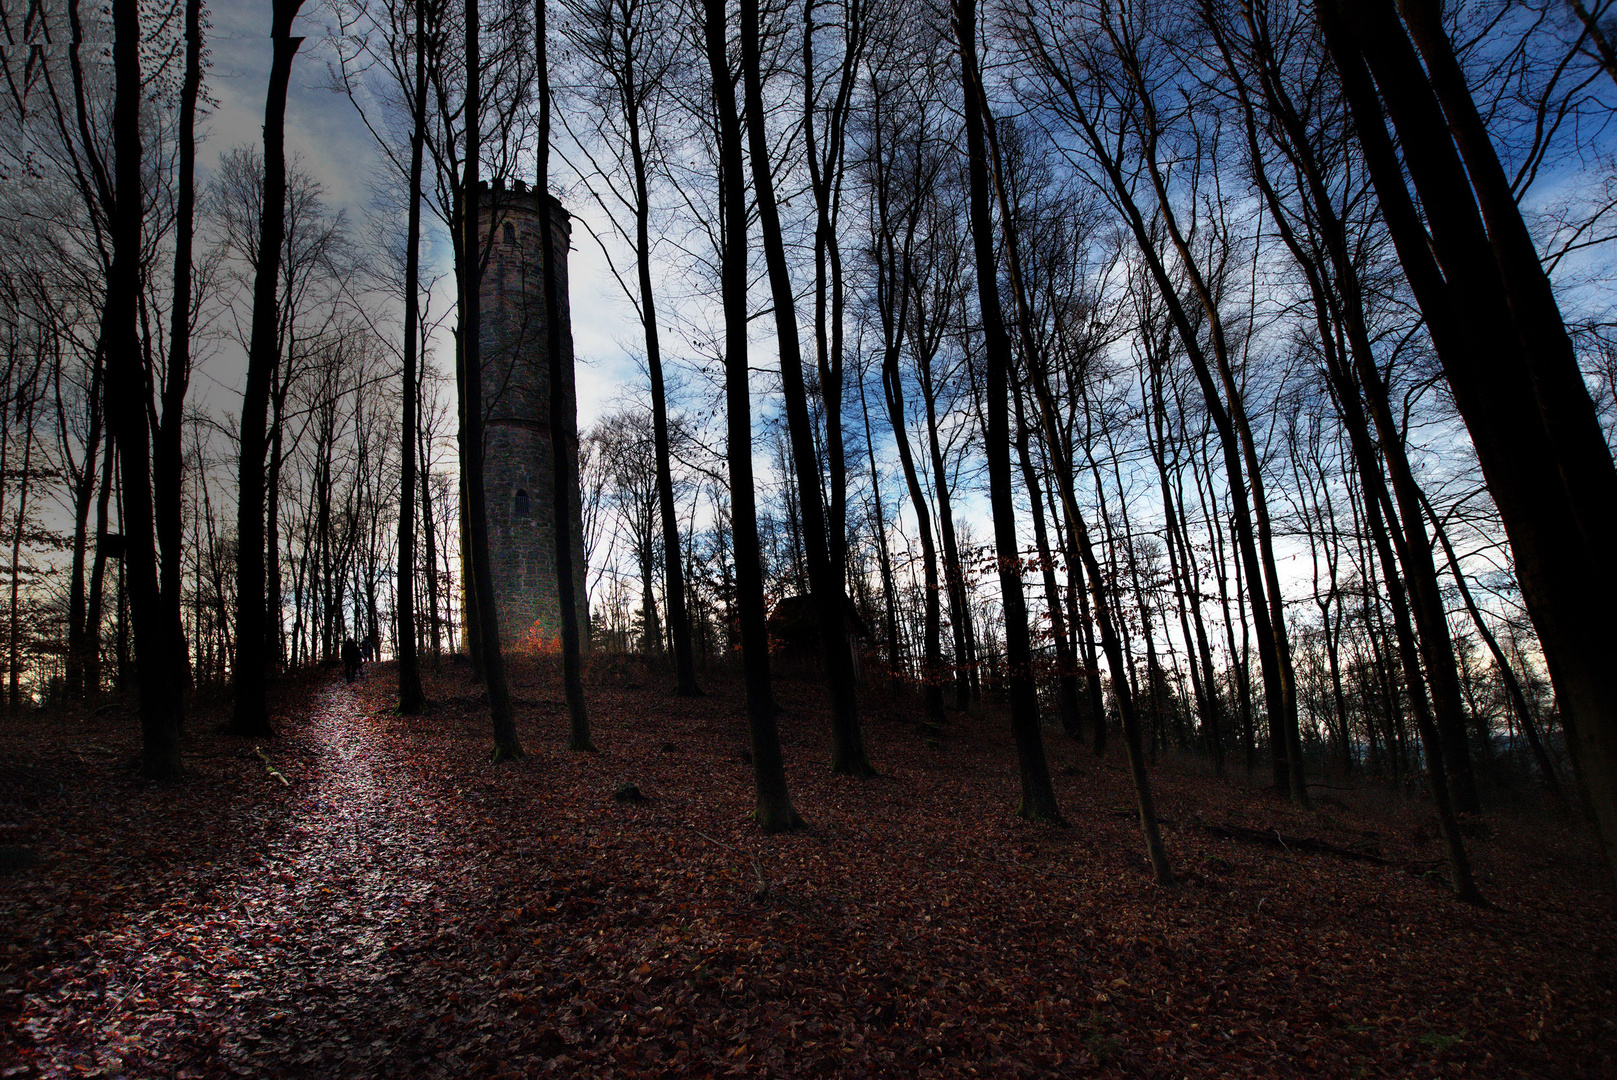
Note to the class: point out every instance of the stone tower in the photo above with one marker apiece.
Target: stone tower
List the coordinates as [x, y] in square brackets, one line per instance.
[519, 473]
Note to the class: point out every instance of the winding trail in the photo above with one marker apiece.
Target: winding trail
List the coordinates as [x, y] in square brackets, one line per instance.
[399, 908]
[299, 959]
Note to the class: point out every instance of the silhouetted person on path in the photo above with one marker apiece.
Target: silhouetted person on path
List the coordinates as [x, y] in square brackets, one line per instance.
[366, 649]
[350, 659]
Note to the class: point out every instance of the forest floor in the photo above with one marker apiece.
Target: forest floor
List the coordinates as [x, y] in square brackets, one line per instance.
[367, 896]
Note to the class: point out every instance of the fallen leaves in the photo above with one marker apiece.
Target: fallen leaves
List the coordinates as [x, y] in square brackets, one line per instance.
[396, 906]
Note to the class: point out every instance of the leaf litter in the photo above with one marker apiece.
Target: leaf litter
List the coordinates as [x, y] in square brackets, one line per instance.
[367, 896]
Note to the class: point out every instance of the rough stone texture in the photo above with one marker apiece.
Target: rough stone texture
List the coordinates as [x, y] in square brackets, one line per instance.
[519, 475]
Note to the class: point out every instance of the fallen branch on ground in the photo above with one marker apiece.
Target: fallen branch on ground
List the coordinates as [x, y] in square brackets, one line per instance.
[1274, 839]
[271, 769]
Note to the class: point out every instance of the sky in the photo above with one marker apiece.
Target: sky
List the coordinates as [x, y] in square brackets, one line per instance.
[325, 134]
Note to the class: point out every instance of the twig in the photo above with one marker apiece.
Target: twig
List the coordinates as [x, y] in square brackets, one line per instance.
[710, 840]
[120, 1002]
[763, 886]
[1272, 837]
[762, 890]
[273, 771]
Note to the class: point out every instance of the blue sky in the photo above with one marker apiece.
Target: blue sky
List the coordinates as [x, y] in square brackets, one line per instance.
[325, 133]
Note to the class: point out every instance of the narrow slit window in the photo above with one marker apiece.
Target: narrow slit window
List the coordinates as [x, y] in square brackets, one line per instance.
[521, 503]
[510, 233]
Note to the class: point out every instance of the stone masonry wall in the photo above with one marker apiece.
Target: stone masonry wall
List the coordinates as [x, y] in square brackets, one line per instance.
[517, 398]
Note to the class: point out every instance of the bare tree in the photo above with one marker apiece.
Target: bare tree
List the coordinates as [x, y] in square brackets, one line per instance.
[1038, 794]
[632, 57]
[774, 812]
[1493, 318]
[250, 716]
[506, 743]
[830, 600]
[563, 451]
[161, 703]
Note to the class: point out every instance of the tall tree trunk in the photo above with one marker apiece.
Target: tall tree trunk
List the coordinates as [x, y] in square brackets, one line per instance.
[932, 674]
[773, 811]
[1181, 564]
[250, 714]
[1010, 225]
[1081, 550]
[1431, 741]
[83, 496]
[161, 706]
[1078, 609]
[679, 622]
[25, 481]
[1193, 581]
[826, 170]
[1513, 686]
[1038, 795]
[895, 663]
[1491, 314]
[430, 532]
[506, 743]
[168, 471]
[1066, 663]
[965, 660]
[894, 277]
[94, 613]
[411, 698]
[1279, 697]
[275, 627]
[830, 601]
[1342, 307]
[563, 448]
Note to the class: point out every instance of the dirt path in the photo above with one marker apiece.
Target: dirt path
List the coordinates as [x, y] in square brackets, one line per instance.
[401, 908]
[299, 957]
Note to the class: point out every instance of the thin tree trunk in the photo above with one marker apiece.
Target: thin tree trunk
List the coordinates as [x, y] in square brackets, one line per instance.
[563, 437]
[430, 533]
[168, 471]
[1513, 686]
[894, 277]
[1431, 741]
[932, 674]
[1181, 566]
[506, 743]
[1081, 618]
[275, 627]
[847, 737]
[1038, 795]
[250, 714]
[411, 698]
[24, 483]
[1232, 439]
[826, 172]
[83, 496]
[895, 664]
[773, 811]
[965, 661]
[1342, 308]
[679, 622]
[94, 605]
[1066, 664]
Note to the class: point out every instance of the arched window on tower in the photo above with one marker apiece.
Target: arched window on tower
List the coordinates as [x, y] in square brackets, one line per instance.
[510, 233]
[521, 508]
